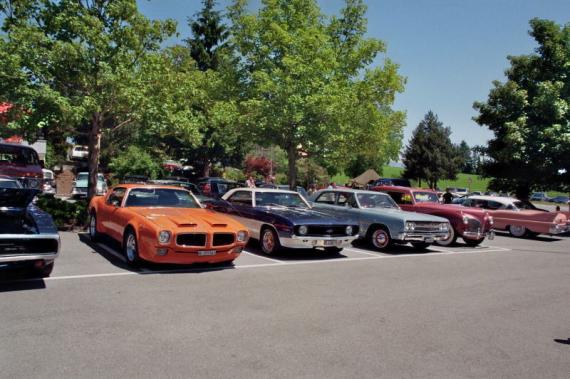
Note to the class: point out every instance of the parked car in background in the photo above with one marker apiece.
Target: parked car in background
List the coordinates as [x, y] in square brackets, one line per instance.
[559, 200]
[457, 192]
[136, 179]
[78, 153]
[177, 183]
[49, 182]
[391, 182]
[299, 189]
[81, 183]
[282, 218]
[520, 218]
[215, 187]
[165, 224]
[22, 164]
[171, 166]
[539, 196]
[473, 225]
[381, 222]
[28, 235]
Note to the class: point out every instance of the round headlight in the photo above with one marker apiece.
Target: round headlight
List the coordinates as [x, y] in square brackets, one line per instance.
[465, 220]
[34, 183]
[410, 226]
[164, 236]
[349, 230]
[242, 236]
[303, 230]
[443, 227]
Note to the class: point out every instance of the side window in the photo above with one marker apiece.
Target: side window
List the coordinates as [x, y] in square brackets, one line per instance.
[326, 198]
[400, 197]
[493, 205]
[116, 197]
[343, 198]
[241, 198]
[352, 201]
[468, 203]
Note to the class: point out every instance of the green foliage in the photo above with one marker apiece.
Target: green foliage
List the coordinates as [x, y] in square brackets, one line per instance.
[65, 214]
[233, 173]
[465, 157]
[135, 161]
[430, 155]
[529, 115]
[308, 83]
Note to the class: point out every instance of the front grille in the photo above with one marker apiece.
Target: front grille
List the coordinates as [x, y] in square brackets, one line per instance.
[427, 227]
[221, 239]
[28, 246]
[30, 182]
[328, 230]
[473, 225]
[191, 239]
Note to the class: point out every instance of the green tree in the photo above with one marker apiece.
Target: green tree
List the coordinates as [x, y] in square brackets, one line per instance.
[90, 64]
[135, 161]
[465, 158]
[309, 84]
[529, 115]
[430, 155]
[217, 108]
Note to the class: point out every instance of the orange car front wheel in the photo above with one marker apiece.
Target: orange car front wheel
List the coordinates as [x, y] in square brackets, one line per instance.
[130, 248]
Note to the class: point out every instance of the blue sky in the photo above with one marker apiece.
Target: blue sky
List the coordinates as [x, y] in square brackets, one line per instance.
[449, 50]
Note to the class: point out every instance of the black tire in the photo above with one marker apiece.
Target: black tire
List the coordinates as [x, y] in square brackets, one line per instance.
[43, 272]
[450, 240]
[269, 241]
[473, 243]
[131, 248]
[420, 246]
[379, 238]
[333, 250]
[94, 235]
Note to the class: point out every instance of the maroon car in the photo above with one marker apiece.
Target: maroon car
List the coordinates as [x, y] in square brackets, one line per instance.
[21, 163]
[471, 224]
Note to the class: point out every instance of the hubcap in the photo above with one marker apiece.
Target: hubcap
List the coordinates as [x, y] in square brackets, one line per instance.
[380, 239]
[268, 241]
[131, 247]
[517, 230]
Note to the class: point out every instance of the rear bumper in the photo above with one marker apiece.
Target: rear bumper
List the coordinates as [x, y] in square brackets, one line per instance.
[298, 242]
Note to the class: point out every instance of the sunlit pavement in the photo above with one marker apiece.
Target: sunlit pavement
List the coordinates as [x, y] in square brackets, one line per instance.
[498, 310]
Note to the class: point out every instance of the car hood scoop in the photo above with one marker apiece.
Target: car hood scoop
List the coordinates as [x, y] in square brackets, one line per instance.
[183, 218]
[16, 197]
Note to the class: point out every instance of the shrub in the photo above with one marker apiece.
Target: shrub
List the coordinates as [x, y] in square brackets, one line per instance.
[66, 215]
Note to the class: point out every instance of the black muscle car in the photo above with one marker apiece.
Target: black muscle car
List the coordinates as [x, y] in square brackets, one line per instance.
[28, 236]
[280, 218]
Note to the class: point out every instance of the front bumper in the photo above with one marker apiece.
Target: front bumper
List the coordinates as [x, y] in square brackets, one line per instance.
[558, 229]
[421, 237]
[7, 257]
[304, 242]
[479, 235]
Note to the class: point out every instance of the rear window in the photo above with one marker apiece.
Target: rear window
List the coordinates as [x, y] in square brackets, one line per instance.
[17, 155]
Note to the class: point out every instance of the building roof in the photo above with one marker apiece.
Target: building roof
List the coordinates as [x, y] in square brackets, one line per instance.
[366, 177]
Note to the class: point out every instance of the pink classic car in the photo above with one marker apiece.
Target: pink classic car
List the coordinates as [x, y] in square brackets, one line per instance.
[520, 218]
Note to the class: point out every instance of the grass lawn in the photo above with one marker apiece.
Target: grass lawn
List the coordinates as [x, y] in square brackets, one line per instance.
[474, 182]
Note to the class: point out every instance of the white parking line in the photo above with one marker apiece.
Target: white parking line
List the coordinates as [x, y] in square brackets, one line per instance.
[360, 251]
[261, 256]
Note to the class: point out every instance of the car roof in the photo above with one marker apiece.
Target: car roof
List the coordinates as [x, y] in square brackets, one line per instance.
[144, 185]
[402, 188]
[352, 190]
[262, 190]
[500, 199]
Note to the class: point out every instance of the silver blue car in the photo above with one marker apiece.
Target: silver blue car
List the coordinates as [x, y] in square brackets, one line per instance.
[381, 222]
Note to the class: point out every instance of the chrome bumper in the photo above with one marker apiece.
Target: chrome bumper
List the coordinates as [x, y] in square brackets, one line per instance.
[20, 257]
[478, 235]
[558, 228]
[421, 237]
[298, 242]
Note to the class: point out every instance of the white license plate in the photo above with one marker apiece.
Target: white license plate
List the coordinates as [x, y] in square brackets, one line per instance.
[203, 253]
[329, 243]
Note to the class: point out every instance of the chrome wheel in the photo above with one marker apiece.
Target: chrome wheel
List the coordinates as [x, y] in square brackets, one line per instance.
[380, 239]
[131, 247]
[517, 230]
[268, 241]
[92, 227]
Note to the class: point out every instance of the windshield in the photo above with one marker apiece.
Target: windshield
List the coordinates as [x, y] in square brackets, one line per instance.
[426, 197]
[18, 155]
[376, 200]
[161, 197]
[85, 176]
[284, 199]
[5, 183]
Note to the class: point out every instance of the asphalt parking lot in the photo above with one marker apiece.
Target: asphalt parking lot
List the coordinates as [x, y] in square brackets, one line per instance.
[499, 310]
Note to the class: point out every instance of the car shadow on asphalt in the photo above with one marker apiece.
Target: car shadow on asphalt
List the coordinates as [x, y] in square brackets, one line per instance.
[19, 280]
[539, 238]
[563, 342]
[293, 254]
[147, 268]
[395, 249]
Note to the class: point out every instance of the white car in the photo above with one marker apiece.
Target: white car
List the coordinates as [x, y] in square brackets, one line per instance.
[49, 182]
[78, 152]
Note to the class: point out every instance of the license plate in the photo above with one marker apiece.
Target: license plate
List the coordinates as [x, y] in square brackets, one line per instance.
[203, 253]
[330, 243]
[429, 240]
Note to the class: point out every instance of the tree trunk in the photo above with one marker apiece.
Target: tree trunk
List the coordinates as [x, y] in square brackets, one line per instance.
[522, 192]
[206, 168]
[292, 166]
[94, 152]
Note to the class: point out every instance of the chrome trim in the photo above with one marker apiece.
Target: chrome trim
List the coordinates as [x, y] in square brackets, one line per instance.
[302, 242]
[418, 236]
[30, 257]
[557, 229]
[23, 257]
[478, 234]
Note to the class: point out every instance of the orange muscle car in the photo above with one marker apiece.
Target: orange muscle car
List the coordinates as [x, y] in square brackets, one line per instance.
[165, 224]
